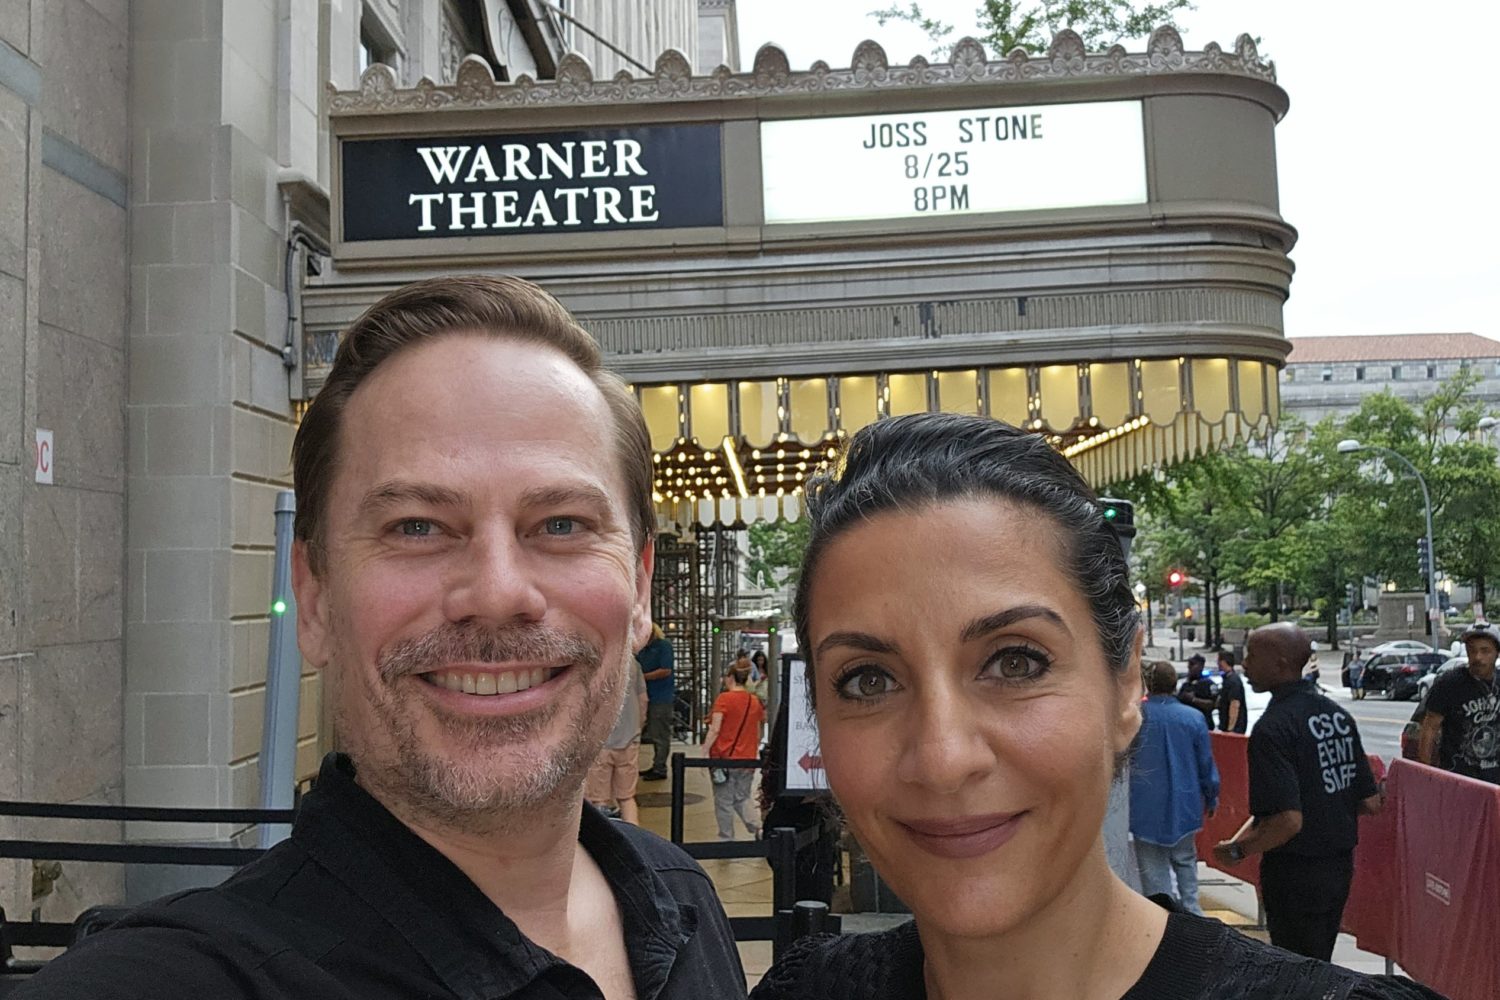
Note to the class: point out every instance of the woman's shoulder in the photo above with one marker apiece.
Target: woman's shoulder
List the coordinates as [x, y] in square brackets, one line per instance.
[848, 967]
[1238, 967]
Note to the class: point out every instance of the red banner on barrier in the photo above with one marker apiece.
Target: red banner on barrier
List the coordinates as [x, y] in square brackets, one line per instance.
[1232, 757]
[1370, 914]
[1448, 880]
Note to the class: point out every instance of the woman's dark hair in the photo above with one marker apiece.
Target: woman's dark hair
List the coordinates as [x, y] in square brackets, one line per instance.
[905, 463]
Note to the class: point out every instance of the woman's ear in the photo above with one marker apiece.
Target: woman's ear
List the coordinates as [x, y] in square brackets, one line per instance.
[1128, 692]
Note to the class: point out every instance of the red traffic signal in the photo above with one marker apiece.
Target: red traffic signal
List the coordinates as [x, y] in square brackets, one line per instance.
[1176, 578]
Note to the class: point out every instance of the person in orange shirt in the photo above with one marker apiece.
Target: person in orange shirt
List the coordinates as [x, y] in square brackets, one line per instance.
[734, 733]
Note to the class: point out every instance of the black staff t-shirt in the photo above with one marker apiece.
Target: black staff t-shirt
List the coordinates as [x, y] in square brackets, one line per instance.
[1231, 691]
[1471, 724]
[1306, 755]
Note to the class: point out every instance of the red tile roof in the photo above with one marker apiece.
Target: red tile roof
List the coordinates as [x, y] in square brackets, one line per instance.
[1394, 347]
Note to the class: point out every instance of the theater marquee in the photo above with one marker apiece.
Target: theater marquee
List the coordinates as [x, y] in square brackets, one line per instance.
[1006, 159]
[649, 177]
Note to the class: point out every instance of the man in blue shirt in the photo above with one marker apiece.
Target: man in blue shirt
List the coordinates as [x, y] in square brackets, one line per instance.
[1173, 780]
[656, 661]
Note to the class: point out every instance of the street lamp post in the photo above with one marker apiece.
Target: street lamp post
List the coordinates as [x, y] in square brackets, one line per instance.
[1348, 446]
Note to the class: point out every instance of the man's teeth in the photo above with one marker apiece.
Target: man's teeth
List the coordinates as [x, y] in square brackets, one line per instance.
[507, 682]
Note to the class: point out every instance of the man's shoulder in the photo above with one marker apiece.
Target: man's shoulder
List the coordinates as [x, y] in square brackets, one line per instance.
[661, 855]
[199, 943]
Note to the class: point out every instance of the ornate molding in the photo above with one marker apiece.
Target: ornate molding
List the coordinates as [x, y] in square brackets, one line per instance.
[475, 86]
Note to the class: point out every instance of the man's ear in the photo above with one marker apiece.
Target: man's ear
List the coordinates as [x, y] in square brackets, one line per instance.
[640, 626]
[312, 611]
[1129, 688]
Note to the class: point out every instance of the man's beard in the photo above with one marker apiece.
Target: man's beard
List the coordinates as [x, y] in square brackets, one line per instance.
[491, 771]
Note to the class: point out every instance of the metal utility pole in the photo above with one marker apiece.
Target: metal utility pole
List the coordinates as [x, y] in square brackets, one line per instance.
[278, 741]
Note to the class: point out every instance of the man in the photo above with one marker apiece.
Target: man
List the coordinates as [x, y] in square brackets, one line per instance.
[1234, 714]
[1309, 783]
[1173, 781]
[612, 780]
[656, 661]
[472, 570]
[1197, 690]
[1461, 730]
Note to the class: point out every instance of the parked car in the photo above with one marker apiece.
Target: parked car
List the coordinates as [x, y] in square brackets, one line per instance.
[1396, 674]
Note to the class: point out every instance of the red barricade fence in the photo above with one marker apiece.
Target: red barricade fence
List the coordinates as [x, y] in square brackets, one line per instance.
[1426, 872]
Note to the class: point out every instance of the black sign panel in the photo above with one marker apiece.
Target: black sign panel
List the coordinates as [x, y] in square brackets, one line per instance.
[606, 179]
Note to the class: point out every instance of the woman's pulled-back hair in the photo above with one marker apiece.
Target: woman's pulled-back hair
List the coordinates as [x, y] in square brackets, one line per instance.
[905, 463]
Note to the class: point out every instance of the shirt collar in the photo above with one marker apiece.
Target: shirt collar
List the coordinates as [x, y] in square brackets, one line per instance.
[467, 941]
[1290, 688]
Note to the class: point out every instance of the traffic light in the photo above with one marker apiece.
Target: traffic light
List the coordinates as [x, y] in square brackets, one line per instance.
[1176, 578]
[1120, 516]
[1187, 613]
[1424, 558]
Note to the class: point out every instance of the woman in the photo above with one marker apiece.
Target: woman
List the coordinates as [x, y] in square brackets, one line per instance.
[734, 734]
[973, 650]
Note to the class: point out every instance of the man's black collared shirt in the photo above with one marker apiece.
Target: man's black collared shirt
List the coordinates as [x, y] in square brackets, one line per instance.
[1306, 755]
[354, 906]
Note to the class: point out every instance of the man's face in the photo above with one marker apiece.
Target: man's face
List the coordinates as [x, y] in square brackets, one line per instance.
[1225, 667]
[1482, 654]
[482, 592]
[1195, 669]
[1258, 665]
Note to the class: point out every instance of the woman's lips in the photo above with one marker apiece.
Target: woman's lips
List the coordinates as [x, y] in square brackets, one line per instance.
[965, 837]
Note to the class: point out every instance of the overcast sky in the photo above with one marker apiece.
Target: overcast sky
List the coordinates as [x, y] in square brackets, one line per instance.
[1388, 158]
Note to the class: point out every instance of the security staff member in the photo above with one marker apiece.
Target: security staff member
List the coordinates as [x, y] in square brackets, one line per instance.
[1309, 782]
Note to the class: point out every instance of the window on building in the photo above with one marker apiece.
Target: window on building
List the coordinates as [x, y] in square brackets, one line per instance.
[1359, 374]
[1432, 371]
[1327, 374]
[1396, 373]
[376, 44]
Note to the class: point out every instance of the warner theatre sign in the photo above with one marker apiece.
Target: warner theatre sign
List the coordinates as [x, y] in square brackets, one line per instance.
[649, 177]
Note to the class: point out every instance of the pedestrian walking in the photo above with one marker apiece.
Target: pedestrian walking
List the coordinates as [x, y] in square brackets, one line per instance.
[1173, 781]
[1234, 710]
[734, 734]
[656, 661]
[1461, 730]
[1197, 689]
[613, 778]
[1309, 782]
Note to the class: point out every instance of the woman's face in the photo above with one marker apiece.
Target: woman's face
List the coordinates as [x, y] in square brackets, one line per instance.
[969, 721]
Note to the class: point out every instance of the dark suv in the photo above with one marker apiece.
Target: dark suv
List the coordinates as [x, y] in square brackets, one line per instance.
[1397, 674]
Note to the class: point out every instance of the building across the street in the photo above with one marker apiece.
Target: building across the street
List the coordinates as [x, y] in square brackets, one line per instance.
[1331, 376]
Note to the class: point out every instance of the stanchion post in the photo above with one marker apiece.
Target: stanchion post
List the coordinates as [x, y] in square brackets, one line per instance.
[781, 844]
[278, 747]
[679, 770]
[809, 916]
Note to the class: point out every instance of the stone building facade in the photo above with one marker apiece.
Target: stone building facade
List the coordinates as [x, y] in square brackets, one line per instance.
[1331, 376]
[164, 169]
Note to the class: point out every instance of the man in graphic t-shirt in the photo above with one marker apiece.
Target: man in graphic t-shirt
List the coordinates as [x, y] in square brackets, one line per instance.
[1234, 716]
[1461, 730]
[1309, 782]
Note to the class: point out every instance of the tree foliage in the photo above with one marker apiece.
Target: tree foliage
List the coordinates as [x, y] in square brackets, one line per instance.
[1291, 521]
[1006, 25]
[774, 558]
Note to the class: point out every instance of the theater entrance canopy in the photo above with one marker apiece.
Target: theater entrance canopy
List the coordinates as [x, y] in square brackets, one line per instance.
[1085, 244]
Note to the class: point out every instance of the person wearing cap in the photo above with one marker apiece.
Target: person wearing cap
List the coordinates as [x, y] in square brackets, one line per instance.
[1197, 690]
[1461, 730]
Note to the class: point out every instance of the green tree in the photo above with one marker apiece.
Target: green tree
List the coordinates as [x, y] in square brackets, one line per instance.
[775, 552]
[1006, 25]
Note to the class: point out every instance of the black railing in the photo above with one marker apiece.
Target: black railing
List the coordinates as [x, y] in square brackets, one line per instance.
[790, 918]
[57, 934]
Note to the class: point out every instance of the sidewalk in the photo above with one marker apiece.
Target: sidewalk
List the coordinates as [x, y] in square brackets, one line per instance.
[745, 885]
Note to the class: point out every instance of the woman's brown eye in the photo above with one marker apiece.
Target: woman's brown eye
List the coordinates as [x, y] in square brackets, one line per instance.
[1014, 665]
[871, 684]
[864, 684]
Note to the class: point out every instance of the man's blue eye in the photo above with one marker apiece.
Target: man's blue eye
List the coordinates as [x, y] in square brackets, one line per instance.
[416, 528]
[560, 525]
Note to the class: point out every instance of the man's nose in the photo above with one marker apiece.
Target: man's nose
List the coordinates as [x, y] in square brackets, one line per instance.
[494, 581]
[944, 745]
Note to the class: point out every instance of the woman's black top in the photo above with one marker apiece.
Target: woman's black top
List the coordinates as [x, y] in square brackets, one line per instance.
[1198, 959]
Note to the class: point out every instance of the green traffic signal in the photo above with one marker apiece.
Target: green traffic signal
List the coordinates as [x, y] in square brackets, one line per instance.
[278, 607]
[1110, 513]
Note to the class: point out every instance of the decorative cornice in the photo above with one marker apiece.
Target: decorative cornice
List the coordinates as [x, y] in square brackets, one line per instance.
[476, 88]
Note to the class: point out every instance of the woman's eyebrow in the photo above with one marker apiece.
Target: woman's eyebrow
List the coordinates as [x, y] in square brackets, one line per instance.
[980, 627]
[856, 640]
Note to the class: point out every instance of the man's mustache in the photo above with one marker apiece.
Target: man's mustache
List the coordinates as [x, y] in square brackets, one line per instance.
[459, 643]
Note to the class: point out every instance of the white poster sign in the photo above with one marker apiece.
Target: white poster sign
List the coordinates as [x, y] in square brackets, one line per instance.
[44, 456]
[803, 765]
[941, 163]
